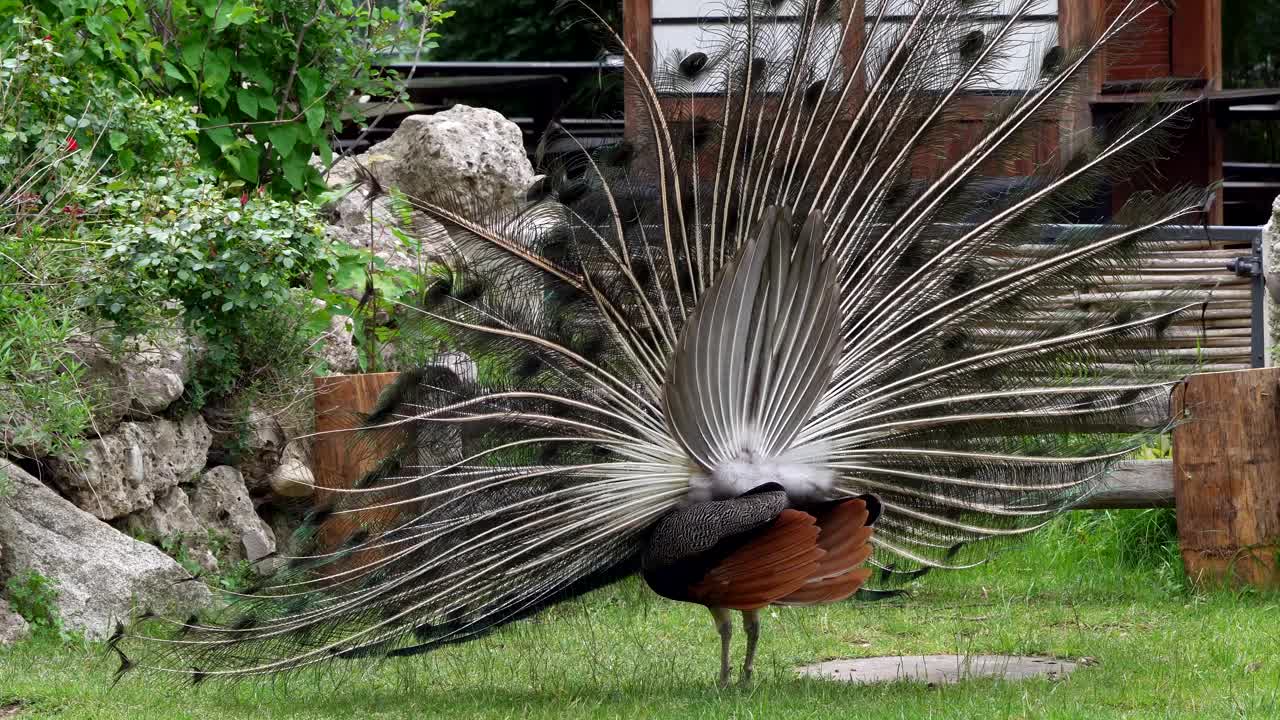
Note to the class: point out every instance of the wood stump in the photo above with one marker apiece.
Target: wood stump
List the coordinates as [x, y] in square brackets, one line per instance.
[341, 403]
[1226, 459]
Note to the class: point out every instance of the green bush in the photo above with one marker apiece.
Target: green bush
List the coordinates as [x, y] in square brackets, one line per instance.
[270, 80]
[42, 407]
[35, 598]
[110, 220]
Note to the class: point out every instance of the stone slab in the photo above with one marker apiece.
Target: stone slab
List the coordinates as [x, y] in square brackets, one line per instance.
[938, 669]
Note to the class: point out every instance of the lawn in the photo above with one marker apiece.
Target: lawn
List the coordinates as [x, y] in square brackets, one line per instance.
[1088, 587]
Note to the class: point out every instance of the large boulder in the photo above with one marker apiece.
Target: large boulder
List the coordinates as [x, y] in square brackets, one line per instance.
[125, 471]
[474, 152]
[101, 574]
[104, 379]
[137, 377]
[221, 503]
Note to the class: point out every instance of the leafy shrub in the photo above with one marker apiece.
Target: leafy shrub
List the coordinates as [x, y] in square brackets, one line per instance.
[42, 407]
[223, 258]
[35, 598]
[108, 216]
[269, 79]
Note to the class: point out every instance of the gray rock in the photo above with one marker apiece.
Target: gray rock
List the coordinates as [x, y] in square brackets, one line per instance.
[337, 348]
[101, 574]
[473, 151]
[253, 442]
[938, 669]
[123, 472]
[372, 231]
[221, 503]
[1271, 277]
[137, 377]
[105, 381]
[12, 627]
[157, 367]
[293, 479]
[152, 390]
[171, 519]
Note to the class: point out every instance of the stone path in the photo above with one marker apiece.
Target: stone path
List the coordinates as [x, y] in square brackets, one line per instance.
[935, 669]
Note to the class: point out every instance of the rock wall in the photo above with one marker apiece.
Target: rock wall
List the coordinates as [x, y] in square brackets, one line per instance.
[209, 487]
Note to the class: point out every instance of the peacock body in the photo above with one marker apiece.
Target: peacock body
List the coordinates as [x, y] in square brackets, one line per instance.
[721, 353]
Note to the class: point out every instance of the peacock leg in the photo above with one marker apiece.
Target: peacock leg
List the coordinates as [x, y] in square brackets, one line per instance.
[724, 625]
[751, 625]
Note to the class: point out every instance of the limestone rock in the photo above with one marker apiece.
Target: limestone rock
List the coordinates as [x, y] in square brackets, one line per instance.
[293, 479]
[124, 471]
[221, 503]
[368, 225]
[171, 519]
[337, 347]
[137, 377]
[472, 151]
[253, 442]
[12, 627]
[1271, 276]
[157, 367]
[101, 574]
[105, 381]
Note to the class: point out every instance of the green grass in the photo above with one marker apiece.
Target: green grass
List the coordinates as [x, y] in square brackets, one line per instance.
[1078, 590]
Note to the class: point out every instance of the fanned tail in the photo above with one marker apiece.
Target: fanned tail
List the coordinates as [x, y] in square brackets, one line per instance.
[951, 393]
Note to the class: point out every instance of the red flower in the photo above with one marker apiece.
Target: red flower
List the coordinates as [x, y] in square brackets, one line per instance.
[48, 38]
[72, 145]
[244, 198]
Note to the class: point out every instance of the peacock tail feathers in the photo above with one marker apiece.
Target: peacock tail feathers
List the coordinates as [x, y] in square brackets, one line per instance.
[781, 276]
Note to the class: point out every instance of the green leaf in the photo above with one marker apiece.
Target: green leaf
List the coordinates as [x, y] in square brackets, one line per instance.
[315, 117]
[172, 71]
[217, 69]
[283, 138]
[220, 135]
[117, 139]
[247, 101]
[251, 66]
[265, 101]
[231, 15]
[295, 169]
[241, 14]
[192, 52]
[312, 85]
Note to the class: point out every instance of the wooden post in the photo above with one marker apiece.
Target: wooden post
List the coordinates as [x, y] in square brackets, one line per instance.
[1226, 459]
[637, 35]
[341, 401]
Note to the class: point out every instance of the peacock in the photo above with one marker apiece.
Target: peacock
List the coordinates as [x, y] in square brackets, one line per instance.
[780, 346]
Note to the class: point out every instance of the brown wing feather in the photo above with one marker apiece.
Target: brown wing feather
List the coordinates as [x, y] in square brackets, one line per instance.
[768, 567]
[843, 536]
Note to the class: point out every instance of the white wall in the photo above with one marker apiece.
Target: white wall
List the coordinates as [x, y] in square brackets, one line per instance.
[693, 25]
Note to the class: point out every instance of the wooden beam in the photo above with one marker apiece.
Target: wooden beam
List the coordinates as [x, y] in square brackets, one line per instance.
[1196, 41]
[637, 36]
[1136, 484]
[341, 403]
[1226, 457]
